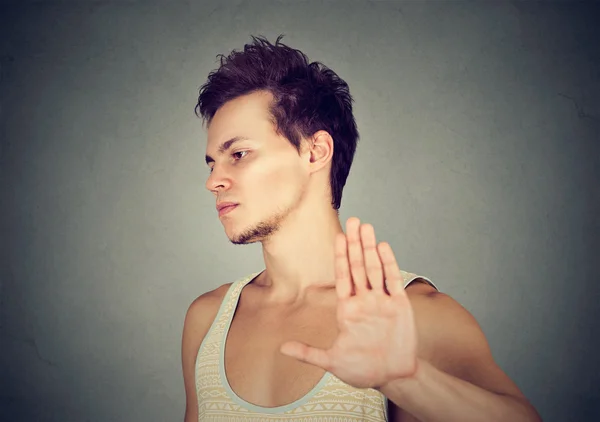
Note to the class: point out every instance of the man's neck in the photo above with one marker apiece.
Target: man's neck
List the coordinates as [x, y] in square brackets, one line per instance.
[301, 260]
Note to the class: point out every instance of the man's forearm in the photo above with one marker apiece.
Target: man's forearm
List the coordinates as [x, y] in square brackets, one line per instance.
[432, 395]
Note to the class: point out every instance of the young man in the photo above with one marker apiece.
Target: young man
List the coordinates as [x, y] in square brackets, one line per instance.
[331, 329]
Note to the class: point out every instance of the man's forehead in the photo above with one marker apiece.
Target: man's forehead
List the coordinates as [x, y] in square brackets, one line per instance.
[236, 115]
[253, 129]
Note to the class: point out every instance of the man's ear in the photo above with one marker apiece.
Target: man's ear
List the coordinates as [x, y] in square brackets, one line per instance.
[322, 148]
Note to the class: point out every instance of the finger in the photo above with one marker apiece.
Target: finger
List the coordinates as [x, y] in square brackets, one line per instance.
[306, 353]
[373, 265]
[343, 283]
[355, 256]
[391, 271]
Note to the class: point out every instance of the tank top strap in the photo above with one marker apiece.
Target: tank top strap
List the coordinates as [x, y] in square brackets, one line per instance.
[410, 277]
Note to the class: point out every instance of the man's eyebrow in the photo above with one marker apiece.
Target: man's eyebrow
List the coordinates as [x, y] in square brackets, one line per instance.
[225, 146]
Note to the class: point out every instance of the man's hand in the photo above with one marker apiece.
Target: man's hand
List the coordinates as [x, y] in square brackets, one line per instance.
[377, 340]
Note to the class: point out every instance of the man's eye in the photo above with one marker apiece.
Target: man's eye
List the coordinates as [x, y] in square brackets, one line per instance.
[238, 152]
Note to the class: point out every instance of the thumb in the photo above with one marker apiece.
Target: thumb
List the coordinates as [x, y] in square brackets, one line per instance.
[306, 353]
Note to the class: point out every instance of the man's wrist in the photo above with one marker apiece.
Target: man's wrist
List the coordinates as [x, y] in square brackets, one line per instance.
[405, 383]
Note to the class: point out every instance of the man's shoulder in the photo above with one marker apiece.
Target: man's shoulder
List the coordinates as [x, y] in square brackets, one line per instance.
[435, 308]
[215, 294]
[202, 312]
[443, 324]
[208, 303]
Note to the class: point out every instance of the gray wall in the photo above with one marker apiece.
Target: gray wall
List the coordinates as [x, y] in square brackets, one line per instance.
[479, 146]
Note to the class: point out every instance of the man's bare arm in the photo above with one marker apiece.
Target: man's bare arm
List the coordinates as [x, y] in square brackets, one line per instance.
[457, 377]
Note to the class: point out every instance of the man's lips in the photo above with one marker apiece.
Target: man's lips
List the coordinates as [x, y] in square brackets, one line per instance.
[226, 209]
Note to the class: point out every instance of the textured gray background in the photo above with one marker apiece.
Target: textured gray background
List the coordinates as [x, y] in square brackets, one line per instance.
[479, 161]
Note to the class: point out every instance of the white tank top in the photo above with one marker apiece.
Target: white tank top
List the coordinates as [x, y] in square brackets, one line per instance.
[330, 400]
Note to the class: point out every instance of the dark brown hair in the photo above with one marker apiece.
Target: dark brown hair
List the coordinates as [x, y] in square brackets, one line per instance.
[308, 97]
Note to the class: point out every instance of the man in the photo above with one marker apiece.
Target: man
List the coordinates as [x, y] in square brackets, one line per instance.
[332, 329]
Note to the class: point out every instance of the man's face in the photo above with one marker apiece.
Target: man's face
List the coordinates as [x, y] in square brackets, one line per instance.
[262, 172]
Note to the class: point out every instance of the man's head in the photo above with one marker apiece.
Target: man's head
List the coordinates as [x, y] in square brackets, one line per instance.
[298, 119]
